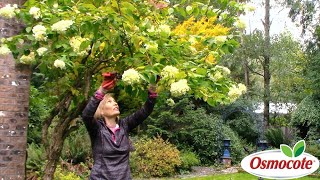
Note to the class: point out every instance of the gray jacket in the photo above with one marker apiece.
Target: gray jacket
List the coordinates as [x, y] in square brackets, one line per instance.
[111, 160]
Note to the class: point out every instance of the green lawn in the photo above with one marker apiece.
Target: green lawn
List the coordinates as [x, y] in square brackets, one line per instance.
[239, 176]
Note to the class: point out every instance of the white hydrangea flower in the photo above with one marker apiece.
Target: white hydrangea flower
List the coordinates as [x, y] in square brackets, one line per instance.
[250, 7]
[165, 29]
[62, 26]
[169, 72]
[55, 5]
[189, 8]
[217, 76]
[221, 39]
[170, 102]
[225, 70]
[170, 10]
[240, 24]
[59, 64]
[35, 12]
[152, 46]
[27, 59]
[242, 87]
[8, 11]
[39, 33]
[151, 29]
[179, 88]
[236, 91]
[75, 43]
[41, 51]
[131, 76]
[4, 50]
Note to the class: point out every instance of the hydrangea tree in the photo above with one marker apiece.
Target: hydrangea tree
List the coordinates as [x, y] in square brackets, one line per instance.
[70, 42]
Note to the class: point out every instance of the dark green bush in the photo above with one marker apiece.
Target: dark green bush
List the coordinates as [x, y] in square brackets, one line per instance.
[275, 137]
[244, 125]
[39, 107]
[189, 127]
[307, 116]
[313, 148]
[237, 147]
[206, 136]
[35, 158]
[77, 146]
[154, 158]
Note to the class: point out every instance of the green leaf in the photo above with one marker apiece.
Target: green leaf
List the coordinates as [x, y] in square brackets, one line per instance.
[128, 6]
[201, 71]
[286, 150]
[84, 45]
[181, 75]
[299, 148]
[211, 102]
[28, 29]
[50, 2]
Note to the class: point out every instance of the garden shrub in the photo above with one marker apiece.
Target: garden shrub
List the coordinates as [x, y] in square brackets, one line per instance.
[275, 137]
[237, 147]
[244, 126]
[306, 116]
[60, 174]
[38, 110]
[207, 137]
[82, 169]
[35, 158]
[77, 146]
[154, 157]
[189, 127]
[188, 159]
[313, 148]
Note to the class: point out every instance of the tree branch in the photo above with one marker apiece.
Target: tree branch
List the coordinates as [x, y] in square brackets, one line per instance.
[253, 70]
[46, 124]
[124, 32]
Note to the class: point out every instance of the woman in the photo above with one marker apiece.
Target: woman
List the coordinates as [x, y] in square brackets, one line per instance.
[109, 134]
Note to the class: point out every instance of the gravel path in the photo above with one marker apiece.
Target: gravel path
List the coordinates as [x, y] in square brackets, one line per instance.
[205, 171]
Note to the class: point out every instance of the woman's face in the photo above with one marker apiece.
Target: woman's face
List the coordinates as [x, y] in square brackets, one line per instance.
[111, 108]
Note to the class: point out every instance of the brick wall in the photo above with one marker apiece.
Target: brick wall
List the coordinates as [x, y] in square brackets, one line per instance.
[14, 102]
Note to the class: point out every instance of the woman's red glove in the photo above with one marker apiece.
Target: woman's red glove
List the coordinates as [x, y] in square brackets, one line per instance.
[109, 80]
[152, 91]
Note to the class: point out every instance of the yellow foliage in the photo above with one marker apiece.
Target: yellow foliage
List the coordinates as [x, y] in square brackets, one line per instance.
[63, 175]
[154, 158]
[210, 59]
[203, 28]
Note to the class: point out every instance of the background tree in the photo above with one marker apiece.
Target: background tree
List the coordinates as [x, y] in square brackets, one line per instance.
[306, 118]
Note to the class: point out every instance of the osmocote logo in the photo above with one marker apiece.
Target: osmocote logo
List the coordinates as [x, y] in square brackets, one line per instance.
[283, 163]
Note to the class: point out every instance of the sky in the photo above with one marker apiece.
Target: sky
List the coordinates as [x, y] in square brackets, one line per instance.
[280, 22]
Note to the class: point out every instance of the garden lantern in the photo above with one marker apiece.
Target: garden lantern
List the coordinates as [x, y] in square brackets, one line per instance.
[226, 158]
[262, 145]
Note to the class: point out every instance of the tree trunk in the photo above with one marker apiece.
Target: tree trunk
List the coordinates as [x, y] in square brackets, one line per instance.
[54, 145]
[246, 74]
[53, 155]
[266, 66]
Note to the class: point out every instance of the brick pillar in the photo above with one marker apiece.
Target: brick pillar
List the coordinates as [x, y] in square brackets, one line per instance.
[14, 102]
